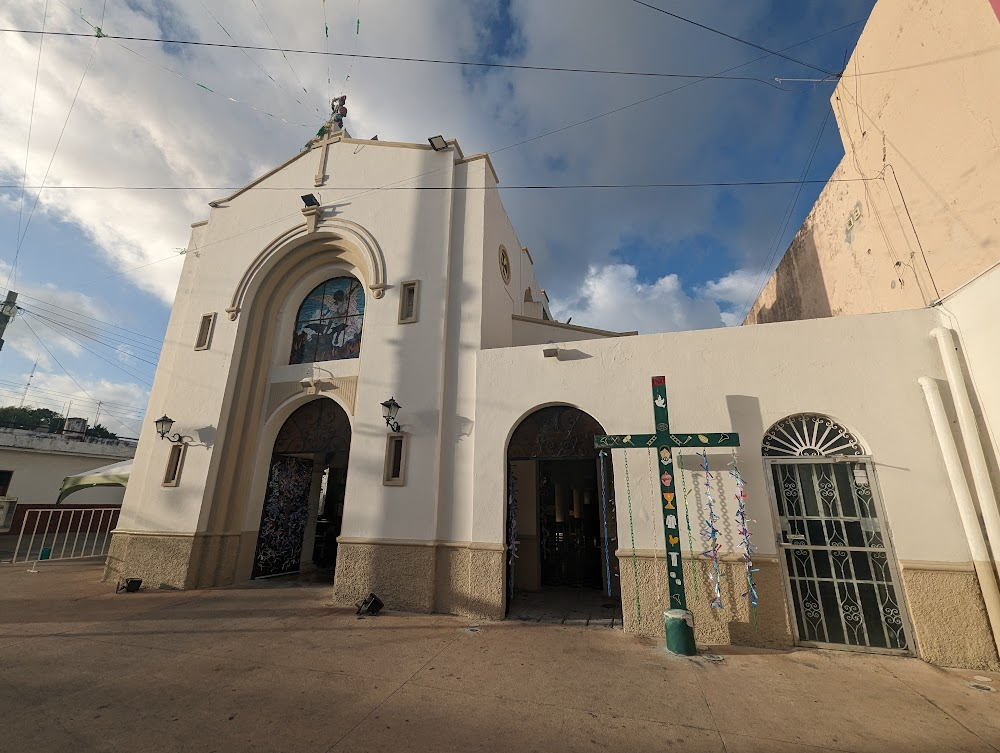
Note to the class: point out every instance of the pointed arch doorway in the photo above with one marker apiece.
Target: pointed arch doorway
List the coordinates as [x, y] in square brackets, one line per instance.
[304, 499]
[562, 530]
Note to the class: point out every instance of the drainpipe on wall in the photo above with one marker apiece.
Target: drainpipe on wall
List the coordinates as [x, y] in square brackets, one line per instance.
[966, 508]
[970, 436]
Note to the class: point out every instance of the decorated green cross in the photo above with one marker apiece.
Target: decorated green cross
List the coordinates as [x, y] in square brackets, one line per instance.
[664, 441]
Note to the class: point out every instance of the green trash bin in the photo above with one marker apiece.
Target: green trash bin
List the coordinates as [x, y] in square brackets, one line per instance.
[45, 553]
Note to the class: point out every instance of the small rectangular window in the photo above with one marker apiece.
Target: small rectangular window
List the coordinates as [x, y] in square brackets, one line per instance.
[409, 295]
[395, 460]
[172, 475]
[5, 479]
[205, 332]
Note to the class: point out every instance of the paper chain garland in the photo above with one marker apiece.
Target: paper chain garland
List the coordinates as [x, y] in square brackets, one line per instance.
[741, 521]
[711, 535]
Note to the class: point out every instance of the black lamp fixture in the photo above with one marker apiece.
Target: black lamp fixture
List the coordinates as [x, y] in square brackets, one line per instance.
[438, 144]
[163, 426]
[389, 410]
[310, 200]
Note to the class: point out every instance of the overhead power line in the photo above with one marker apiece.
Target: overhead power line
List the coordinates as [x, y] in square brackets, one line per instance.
[49, 304]
[783, 225]
[401, 59]
[90, 330]
[526, 187]
[55, 150]
[84, 347]
[72, 378]
[735, 38]
[91, 336]
[122, 406]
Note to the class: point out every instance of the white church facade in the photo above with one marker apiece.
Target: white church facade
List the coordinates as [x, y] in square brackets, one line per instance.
[292, 327]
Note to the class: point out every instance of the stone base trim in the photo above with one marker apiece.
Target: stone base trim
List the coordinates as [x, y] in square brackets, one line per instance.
[173, 560]
[421, 576]
[947, 567]
[161, 560]
[949, 618]
[734, 624]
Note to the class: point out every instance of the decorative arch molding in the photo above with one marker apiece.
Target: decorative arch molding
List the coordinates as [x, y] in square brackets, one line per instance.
[357, 245]
[246, 420]
[554, 431]
[809, 435]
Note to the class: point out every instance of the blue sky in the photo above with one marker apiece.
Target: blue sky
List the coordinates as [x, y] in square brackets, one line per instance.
[647, 259]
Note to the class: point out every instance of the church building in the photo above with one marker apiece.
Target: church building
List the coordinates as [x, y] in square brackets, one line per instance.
[361, 374]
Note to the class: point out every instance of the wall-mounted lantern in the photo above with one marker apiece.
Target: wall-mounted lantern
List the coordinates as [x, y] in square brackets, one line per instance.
[389, 410]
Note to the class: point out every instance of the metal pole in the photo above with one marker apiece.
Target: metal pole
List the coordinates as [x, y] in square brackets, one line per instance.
[62, 551]
[31, 541]
[77, 537]
[970, 435]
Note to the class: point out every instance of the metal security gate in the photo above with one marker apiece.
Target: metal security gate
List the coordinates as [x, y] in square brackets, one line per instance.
[284, 517]
[836, 555]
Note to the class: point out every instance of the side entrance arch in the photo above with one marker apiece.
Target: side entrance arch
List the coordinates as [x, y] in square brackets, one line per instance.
[836, 553]
[304, 498]
[562, 530]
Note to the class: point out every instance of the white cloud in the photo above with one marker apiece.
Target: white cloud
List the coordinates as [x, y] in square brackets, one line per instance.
[136, 124]
[612, 297]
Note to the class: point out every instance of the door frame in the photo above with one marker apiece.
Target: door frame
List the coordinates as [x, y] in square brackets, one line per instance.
[897, 581]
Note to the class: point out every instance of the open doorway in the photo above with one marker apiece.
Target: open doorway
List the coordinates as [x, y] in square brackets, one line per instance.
[562, 531]
[304, 500]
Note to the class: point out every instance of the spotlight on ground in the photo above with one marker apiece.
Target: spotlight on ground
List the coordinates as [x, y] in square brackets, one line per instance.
[370, 605]
[129, 585]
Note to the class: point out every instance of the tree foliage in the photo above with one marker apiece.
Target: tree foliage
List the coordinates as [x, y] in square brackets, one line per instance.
[44, 419]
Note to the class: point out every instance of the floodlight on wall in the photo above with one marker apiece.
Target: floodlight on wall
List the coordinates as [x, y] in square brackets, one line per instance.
[310, 200]
[389, 410]
[438, 144]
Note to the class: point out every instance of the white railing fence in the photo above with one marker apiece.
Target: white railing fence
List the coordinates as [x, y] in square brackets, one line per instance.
[70, 533]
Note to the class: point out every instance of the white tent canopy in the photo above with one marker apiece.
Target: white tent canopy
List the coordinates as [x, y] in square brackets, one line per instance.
[115, 474]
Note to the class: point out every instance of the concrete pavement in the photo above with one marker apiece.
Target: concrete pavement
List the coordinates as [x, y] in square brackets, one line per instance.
[271, 667]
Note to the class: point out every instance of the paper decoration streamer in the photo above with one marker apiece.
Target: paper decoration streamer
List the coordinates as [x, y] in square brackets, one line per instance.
[679, 468]
[711, 535]
[631, 530]
[604, 506]
[744, 532]
[656, 514]
[172, 72]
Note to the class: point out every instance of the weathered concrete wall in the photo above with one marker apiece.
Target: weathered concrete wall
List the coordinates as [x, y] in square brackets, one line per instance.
[910, 214]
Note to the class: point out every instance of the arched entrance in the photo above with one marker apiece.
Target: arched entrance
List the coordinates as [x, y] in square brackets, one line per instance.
[836, 553]
[562, 530]
[304, 500]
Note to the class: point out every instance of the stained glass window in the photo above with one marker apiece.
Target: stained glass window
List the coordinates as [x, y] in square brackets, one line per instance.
[328, 327]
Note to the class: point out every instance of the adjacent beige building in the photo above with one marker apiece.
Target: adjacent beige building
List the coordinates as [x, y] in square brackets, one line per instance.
[910, 215]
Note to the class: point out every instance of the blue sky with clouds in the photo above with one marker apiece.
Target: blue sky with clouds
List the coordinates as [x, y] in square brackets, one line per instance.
[648, 259]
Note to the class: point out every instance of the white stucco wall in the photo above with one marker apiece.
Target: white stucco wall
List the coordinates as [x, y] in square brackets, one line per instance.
[446, 239]
[540, 332]
[860, 371]
[38, 476]
[973, 313]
